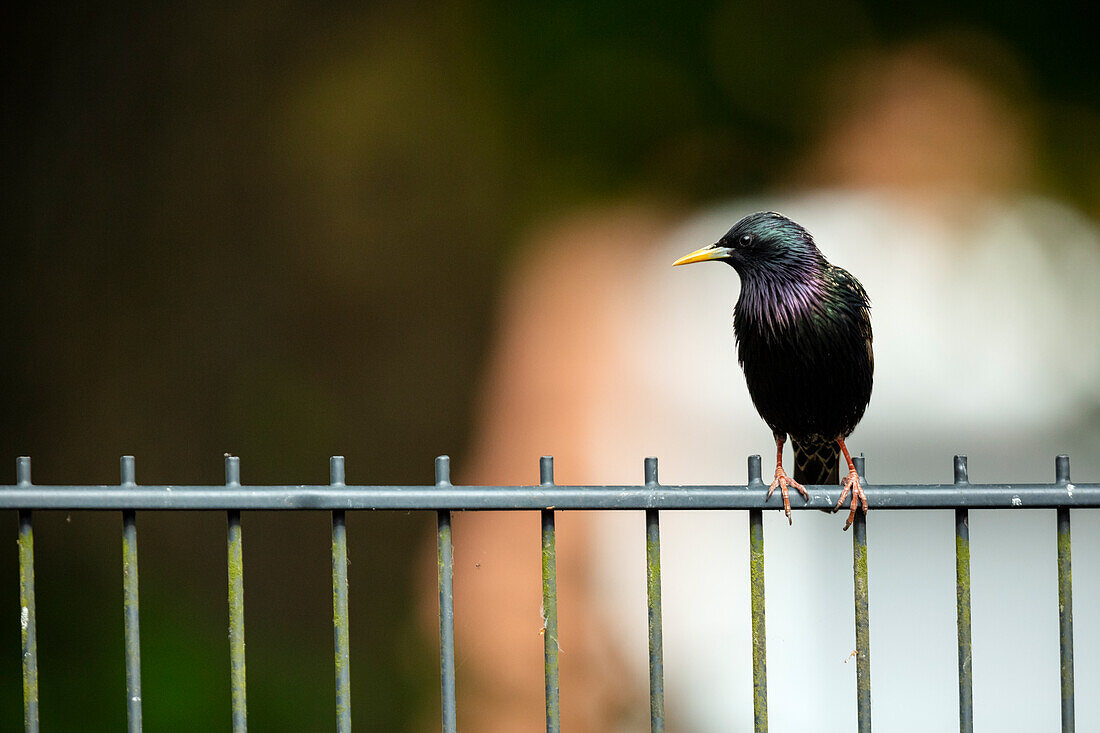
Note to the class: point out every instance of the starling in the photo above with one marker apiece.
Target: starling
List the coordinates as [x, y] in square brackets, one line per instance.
[803, 330]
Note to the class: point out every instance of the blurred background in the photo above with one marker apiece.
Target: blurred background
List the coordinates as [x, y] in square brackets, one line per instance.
[291, 231]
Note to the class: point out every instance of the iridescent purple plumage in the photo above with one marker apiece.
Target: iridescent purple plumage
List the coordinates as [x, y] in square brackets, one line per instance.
[803, 331]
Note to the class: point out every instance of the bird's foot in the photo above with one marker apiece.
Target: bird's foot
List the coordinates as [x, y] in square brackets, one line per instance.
[782, 480]
[851, 483]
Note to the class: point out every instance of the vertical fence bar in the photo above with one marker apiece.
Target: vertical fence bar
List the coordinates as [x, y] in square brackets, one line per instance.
[341, 633]
[653, 588]
[235, 566]
[26, 603]
[1065, 600]
[130, 603]
[756, 593]
[863, 630]
[550, 603]
[445, 565]
[962, 604]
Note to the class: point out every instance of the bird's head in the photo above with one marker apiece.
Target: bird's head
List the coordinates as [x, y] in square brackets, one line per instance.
[765, 243]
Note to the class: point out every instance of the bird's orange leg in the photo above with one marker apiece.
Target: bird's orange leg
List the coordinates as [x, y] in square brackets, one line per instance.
[851, 483]
[782, 480]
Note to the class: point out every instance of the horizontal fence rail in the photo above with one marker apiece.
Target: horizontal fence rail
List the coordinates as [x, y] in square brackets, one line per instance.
[458, 498]
[546, 497]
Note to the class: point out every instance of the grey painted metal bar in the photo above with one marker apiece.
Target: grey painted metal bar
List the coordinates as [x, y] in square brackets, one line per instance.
[962, 604]
[28, 632]
[341, 633]
[1065, 598]
[130, 603]
[411, 498]
[863, 620]
[550, 644]
[653, 592]
[235, 572]
[445, 565]
[756, 593]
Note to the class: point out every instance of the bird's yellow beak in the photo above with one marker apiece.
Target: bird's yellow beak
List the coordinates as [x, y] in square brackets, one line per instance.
[710, 252]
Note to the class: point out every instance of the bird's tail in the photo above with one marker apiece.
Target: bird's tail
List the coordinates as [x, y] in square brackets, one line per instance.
[816, 463]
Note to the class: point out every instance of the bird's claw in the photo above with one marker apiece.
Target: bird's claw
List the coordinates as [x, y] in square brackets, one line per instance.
[782, 480]
[851, 483]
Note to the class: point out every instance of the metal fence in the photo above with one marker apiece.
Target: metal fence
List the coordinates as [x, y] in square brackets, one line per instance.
[547, 497]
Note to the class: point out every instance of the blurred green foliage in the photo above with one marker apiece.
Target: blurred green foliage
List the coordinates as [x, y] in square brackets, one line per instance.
[277, 230]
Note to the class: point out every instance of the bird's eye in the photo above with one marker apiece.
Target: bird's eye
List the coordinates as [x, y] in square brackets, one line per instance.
[745, 240]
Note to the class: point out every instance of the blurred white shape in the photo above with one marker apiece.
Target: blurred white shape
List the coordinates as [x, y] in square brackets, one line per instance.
[986, 343]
